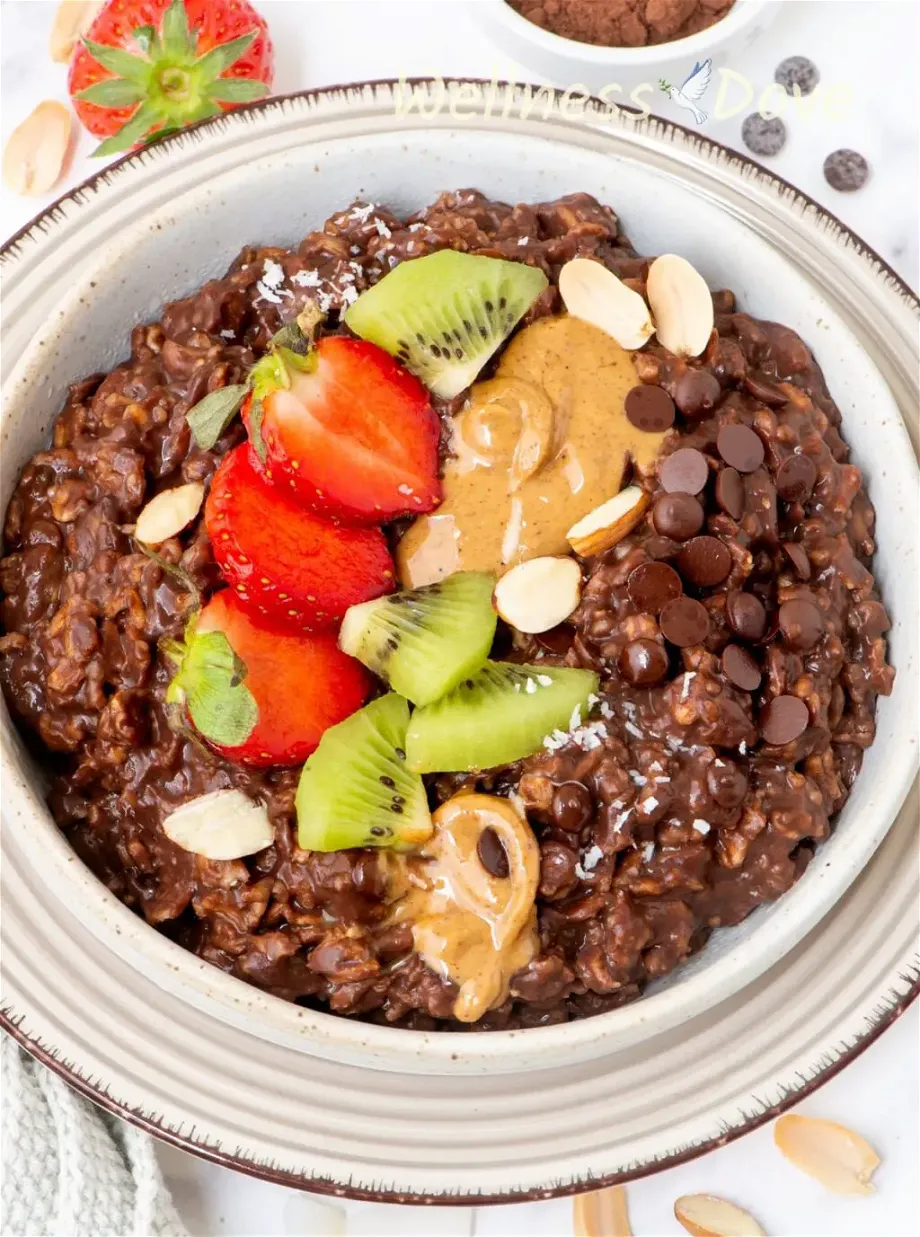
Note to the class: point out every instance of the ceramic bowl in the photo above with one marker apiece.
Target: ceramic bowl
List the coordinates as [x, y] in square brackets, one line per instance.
[615, 72]
[772, 1005]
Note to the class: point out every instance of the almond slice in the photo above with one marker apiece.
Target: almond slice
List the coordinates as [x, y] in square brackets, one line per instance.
[609, 523]
[539, 594]
[704, 1215]
[37, 150]
[601, 1214]
[222, 825]
[596, 295]
[168, 513]
[841, 1160]
[682, 305]
[71, 21]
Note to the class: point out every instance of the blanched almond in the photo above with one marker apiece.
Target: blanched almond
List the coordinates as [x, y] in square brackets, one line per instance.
[841, 1160]
[602, 1214]
[704, 1215]
[71, 21]
[609, 523]
[222, 825]
[37, 150]
[539, 594]
[168, 513]
[596, 295]
[681, 303]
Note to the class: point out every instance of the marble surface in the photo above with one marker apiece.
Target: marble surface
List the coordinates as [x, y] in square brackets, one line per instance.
[866, 50]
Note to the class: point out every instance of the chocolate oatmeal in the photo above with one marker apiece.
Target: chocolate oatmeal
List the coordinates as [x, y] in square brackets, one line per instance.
[736, 632]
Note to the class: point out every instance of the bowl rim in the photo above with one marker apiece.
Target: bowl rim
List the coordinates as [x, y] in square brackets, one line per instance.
[597, 55]
[70, 1071]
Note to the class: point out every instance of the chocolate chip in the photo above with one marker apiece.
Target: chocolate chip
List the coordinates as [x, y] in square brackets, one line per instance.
[783, 719]
[697, 391]
[686, 471]
[726, 783]
[492, 854]
[649, 408]
[763, 137]
[684, 622]
[661, 547]
[705, 561]
[764, 390]
[746, 615]
[740, 668]
[652, 585]
[572, 806]
[801, 623]
[643, 662]
[679, 516]
[740, 447]
[799, 559]
[730, 492]
[797, 71]
[846, 170]
[795, 478]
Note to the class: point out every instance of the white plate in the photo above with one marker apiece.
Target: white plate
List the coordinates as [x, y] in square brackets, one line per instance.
[374, 1111]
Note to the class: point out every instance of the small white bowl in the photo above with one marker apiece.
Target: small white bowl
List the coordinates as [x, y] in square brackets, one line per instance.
[569, 64]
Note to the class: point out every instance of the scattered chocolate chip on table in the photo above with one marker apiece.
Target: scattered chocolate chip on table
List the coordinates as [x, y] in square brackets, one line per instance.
[762, 136]
[797, 73]
[846, 170]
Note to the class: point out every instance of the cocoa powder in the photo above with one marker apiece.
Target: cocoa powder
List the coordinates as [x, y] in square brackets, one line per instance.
[622, 23]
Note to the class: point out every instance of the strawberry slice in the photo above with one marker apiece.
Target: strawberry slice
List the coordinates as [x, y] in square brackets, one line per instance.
[352, 432]
[284, 561]
[257, 693]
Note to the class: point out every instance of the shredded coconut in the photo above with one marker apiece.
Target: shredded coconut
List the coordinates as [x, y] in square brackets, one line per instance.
[648, 854]
[575, 719]
[269, 286]
[742, 747]
[362, 213]
[544, 680]
[632, 729]
[382, 229]
[228, 334]
[554, 741]
[530, 687]
[606, 710]
[649, 804]
[685, 690]
[621, 820]
[349, 295]
[638, 778]
[702, 826]
[523, 240]
[416, 227]
[307, 279]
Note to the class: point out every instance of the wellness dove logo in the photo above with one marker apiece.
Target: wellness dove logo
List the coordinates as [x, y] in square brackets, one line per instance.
[693, 89]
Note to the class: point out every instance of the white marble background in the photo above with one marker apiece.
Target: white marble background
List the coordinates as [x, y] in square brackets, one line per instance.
[869, 46]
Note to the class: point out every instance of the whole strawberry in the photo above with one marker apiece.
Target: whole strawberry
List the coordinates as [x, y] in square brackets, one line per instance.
[149, 67]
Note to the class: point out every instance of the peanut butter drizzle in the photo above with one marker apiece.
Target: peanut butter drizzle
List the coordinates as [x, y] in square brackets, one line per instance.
[468, 925]
[536, 448]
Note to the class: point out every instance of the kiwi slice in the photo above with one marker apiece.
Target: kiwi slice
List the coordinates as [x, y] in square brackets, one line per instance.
[425, 641]
[355, 789]
[442, 316]
[501, 714]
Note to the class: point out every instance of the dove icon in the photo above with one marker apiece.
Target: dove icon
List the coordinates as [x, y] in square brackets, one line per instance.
[691, 91]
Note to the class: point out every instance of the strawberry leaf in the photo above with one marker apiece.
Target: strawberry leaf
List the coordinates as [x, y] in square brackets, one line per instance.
[237, 90]
[210, 683]
[120, 62]
[113, 92]
[256, 417]
[220, 58]
[211, 415]
[148, 40]
[179, 43]
[131, 132]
